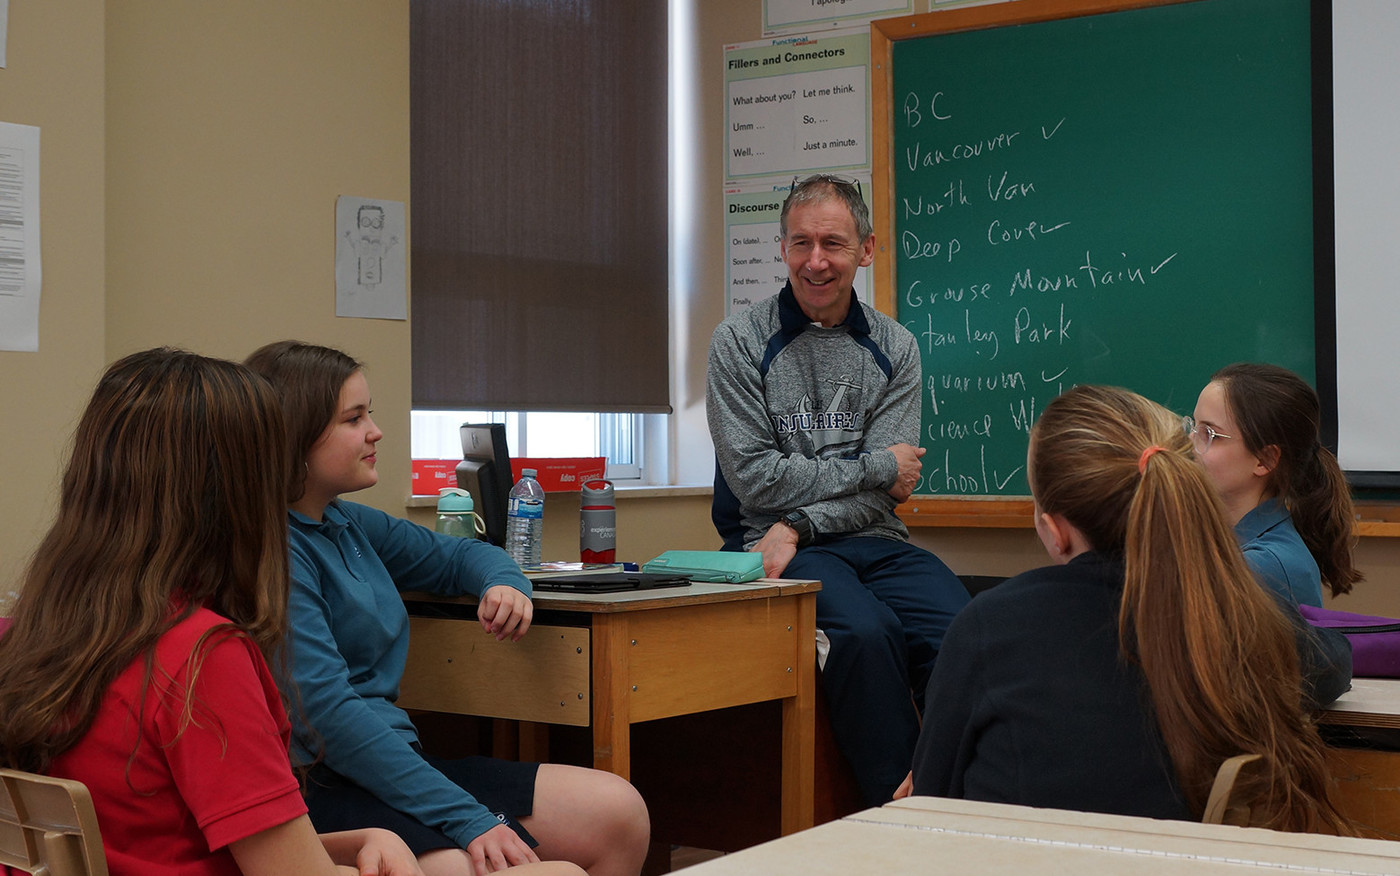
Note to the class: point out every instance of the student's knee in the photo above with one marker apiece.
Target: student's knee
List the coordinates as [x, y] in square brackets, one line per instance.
[590, 817]
[630, 820]
[620, 845]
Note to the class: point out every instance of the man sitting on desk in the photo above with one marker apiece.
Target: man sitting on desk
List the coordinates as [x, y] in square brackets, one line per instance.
[813, 404]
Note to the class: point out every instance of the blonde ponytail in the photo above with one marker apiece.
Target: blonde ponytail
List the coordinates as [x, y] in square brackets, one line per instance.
[1217, 654]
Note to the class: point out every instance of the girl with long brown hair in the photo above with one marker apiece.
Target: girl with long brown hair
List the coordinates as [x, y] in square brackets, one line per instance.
[1256, 432]
[349, 642]
[137, 657]
[1120, 678]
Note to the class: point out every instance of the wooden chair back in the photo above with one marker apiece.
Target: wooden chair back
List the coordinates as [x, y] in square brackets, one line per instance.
[1221, 806]
[48, 826]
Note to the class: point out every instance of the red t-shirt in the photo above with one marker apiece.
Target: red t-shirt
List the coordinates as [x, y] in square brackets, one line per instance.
[171, 794]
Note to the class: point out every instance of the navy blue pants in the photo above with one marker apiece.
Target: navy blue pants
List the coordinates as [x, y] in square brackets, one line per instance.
[885, 605]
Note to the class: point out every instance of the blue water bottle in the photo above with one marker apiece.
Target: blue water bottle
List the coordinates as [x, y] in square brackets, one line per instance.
[455, 514]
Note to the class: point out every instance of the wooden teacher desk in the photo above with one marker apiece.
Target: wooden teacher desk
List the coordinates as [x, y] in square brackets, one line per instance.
[610, 660]
[930, 835]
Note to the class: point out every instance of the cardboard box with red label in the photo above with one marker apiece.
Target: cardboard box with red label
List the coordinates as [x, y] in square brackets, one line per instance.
[556, 475]
[562, 474]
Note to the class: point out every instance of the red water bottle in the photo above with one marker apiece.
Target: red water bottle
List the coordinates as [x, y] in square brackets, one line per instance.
[597, 522]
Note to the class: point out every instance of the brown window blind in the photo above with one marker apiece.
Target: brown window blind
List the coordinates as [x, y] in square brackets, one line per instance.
[539, 211]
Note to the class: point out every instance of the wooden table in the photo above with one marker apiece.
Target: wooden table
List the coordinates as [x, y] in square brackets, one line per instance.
[1367, 778]
[1371, 702]
[611, 660]
[929, 835]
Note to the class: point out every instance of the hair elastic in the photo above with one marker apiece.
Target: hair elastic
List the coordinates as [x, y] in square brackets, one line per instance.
[1146, 455]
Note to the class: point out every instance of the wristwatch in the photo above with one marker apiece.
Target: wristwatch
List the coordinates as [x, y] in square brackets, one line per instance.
[802, 525]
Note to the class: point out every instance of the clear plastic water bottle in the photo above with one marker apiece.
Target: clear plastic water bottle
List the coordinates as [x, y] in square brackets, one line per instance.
[525, 520]
[455, 513]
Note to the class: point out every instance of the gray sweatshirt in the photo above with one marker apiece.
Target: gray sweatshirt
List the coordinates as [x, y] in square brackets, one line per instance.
[802, 416]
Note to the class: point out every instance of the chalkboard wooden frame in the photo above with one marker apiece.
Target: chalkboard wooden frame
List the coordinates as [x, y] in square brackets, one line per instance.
[1012, 511]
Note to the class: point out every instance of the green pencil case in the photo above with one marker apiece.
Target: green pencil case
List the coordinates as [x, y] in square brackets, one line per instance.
[720, 567]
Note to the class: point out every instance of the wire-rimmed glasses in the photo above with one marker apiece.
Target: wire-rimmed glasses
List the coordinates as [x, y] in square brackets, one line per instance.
[1201, 435]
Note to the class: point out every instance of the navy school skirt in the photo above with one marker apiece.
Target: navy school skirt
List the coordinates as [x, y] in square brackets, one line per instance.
[505, 787]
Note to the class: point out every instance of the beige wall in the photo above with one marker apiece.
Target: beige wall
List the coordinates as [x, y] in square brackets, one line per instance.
[231, 129]
[192, 155]
[53, 80]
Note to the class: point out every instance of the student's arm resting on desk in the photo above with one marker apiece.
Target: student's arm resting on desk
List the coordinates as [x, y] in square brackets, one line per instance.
[419, 559]
[359, 731]
[1324, 657]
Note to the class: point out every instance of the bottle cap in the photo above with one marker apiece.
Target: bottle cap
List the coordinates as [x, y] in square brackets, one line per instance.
[528, 473]
[596, 492]
[454, 500]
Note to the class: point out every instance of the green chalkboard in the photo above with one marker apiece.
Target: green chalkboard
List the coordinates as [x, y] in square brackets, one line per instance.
[1124, 197]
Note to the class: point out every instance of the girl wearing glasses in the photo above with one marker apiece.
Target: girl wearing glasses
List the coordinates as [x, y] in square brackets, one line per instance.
[1147, 652]
[1255, 430]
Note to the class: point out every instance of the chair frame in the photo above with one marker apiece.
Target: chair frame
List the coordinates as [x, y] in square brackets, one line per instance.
[48, 826]
[1220, 808]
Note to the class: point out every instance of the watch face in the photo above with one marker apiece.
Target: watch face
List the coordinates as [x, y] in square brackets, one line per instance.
[801, 524]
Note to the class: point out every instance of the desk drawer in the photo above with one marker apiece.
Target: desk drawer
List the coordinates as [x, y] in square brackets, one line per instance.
[734, 653]
[453, 666]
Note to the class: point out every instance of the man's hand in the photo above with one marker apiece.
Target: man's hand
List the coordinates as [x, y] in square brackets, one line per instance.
[907, 455]
[778, 546]
[505, 611]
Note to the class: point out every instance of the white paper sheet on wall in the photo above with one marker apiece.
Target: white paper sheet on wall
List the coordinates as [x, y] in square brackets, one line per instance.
[784, 15]
[371, 265]
[797, 105]
[20, 270]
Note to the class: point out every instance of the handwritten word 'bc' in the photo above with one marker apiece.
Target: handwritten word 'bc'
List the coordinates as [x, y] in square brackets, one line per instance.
[913, 113]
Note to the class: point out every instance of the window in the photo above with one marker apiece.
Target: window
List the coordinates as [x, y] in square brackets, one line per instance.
[540, 275]
[621, 438]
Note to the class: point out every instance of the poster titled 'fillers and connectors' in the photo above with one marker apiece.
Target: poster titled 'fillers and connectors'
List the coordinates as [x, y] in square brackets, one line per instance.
[797, 104]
